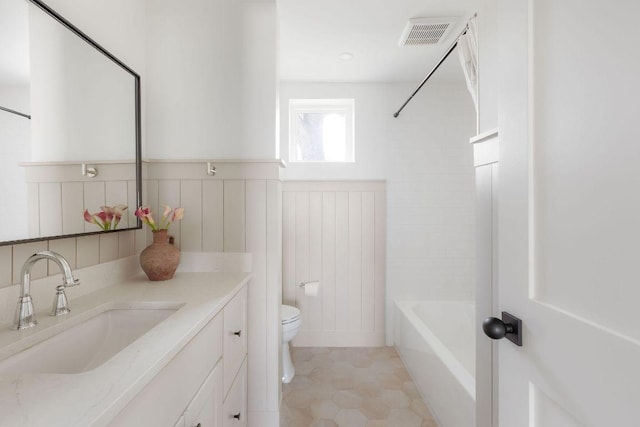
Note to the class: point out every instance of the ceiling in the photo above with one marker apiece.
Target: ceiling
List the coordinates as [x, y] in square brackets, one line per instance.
[314, 33]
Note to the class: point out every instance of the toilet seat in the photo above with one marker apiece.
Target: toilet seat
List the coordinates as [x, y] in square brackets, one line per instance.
[289, 314]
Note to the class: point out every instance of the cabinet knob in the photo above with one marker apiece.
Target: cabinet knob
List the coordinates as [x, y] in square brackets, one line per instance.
[237, 416]
[238, 333]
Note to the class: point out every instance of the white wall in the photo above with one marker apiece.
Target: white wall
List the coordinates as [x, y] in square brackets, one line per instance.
[427, 161]
[119, 26]
[488, 63]
[14, 148]
[212, 79]
[259, 80]
[82, 103]
[431, 195]
[15, 96]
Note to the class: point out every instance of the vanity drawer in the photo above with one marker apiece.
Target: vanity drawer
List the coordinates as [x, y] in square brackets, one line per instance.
[205, 410]
[235, 336]
[165, 398]
[235, 405]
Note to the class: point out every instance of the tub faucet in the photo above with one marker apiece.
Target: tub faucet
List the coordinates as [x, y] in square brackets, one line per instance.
[25, 316]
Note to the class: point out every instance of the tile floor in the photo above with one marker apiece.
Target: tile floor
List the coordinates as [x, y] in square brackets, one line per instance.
[351, 387]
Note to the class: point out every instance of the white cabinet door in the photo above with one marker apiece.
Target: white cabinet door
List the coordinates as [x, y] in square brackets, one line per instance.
[169, 393]
[235, 405]
[235, 336]
[569, 212]
[205, 410]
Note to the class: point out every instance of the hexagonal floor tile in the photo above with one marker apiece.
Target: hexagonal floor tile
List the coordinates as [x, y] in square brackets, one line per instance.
[350, 418]
[351, 387]
[347, 399]
[323, 409]
[404, 417]
[375, 409]
[326, 423]
[395, 399]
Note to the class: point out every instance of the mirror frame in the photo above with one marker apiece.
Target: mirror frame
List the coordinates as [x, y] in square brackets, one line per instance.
[138, 148]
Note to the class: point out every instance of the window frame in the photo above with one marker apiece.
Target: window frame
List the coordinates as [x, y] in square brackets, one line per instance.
[344, 106]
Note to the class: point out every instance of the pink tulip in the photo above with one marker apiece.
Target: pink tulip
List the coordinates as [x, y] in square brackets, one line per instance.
[88, 217]
[97, 219]
[106, 216]
[105, 219]
[178, 214]
[144, 213]
[165, 220]
[150, 221]
[118, 211]
[167, 211]
[108, 210]
[169, 215]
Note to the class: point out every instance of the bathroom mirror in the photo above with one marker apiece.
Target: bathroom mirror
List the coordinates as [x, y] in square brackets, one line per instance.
[69, 127]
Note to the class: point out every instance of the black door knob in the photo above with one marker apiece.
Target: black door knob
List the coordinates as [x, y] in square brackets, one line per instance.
[496, 328]
[510, 327]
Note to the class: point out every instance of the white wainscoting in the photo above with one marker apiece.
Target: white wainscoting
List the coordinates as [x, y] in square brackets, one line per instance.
[335, 232]
[58, 194]
[237, 210]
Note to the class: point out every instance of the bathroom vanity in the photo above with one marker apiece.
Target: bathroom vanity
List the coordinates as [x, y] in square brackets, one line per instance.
[165, 353]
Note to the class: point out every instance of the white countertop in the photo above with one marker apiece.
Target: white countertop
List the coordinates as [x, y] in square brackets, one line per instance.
[94, 397]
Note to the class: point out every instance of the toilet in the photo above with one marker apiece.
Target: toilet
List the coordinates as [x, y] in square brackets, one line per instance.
[291, 321]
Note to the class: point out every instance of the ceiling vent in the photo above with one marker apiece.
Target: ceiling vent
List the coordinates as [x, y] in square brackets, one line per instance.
[426, 31]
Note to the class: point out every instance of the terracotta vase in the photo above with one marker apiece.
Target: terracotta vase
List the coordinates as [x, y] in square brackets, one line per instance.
[160, 259]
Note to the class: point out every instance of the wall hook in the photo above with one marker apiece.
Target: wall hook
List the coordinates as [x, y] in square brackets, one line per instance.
[89, 171]
[211, 169]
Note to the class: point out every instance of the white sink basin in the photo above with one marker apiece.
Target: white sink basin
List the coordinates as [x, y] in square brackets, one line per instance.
[87, 345]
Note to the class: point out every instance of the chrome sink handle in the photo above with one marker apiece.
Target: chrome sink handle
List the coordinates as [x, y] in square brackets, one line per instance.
[60, 303]
[25, 315]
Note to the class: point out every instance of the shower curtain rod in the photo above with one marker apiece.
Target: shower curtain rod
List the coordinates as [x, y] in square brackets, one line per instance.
[9, 110]
[433, 70]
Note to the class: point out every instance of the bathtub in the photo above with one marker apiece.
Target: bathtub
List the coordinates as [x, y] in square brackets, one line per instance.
[436, 341]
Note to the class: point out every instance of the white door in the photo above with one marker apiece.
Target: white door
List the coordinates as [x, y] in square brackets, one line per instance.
[569, 212]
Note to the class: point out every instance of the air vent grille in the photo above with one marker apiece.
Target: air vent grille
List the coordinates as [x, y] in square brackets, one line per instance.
[426, 31]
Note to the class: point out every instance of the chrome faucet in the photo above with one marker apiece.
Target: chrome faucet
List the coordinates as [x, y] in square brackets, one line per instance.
[25, 315]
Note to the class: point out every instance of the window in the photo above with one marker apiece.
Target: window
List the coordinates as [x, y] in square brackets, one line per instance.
[321, 130]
